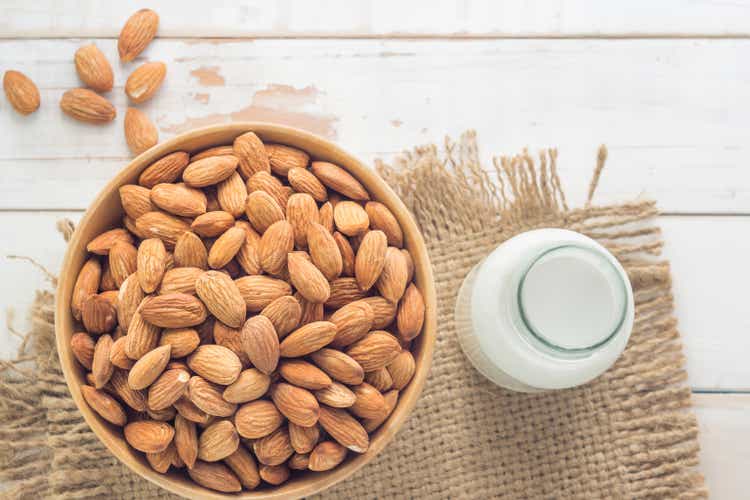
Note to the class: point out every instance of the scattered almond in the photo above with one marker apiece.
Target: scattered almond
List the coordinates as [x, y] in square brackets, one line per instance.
[144, 81]
[137, 33]
[87, 106]
[21, 92]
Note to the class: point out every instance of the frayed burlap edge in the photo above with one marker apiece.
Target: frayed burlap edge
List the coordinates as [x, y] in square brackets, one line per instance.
[46, 450]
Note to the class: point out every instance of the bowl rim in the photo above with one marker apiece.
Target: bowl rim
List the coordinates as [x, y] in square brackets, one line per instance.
[313, 482]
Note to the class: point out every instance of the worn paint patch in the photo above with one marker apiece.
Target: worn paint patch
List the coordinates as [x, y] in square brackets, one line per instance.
[281, 104]
[396, 123]
[202, 98]
[208, 76]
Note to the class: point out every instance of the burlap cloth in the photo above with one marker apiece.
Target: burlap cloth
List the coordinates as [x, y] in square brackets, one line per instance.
[628, 434]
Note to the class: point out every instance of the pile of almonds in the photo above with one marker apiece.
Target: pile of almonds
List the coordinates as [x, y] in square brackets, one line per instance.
[253, 316]
[85, 103]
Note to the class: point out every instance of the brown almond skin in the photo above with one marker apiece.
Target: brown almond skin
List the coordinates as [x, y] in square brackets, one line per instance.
[304, 181]
[183, 341]
[142, 337]
[221, 296]
[252, 155]
[98, 314]
[87, 283]
[275, 448]
[350, 218]
[339, 180]
[343, 291]
[336, 395]
[402, 369]
[129, 298]
[136, 200]
[344, 428]
[393, 278]
[166, 169]
[212, 223]
[87, 106]
[149, 436]
[326, 456]
[104, 405]
[123, 261]
[303, 439]
[274, 474]
[285, 314]
[283, 158]
[384, 312]
[231, 194]
[261, 343]
[189, 251]
[311, 312]
[380, 379]
[245, 467]
[339, 366]
[307, 339]
[186, 440]
[230, 338]
[259, 291]
[135, 399]
[248, 256]
[326, 216]
[375, 350]
[324, 251]
[161, 225]
[303, 374]
[257, 419]
[187, 409]
[347, 254]
[275, 245]
[104, 242]
[151, 264]
[249, 386]
[370, 259]
[218, 441]
[226, 247]
[209, 171]
[82, 346]
[207, 397]
[101, 366]
[137, 33]
[262, 210]
[93, 68]
[263, 181]
[173, 310]
[307, 279]
[381, 218]
[353, 321]
[369, 403]
[140, 132]
[391, 399]
[297, 404]
[179, 199]
[410, 315]
[214, 151]
[147, 369]
[299, 461]
[215, 363]
[215, 476]
[301, 211]
[145, 80]
[21, 92]
[168, 388]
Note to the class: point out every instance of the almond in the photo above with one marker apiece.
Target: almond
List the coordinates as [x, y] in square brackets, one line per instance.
[252, 155]
[391, 398]
[139, 30]
[262, 210]
[207, 397]
[123, 261]
[344, 428]
[409, 264]
[231, 339]
[144, 81]
[259, 291]
[297, 404]
[392, 281]
[344, 291]
[215, 363]
[402, 369]
[186, 440]
[215, 476]
[347, 254]
[243, 464]
[82, 346]
[189, 251]
[165, 415]
[326, 456]
[179, 199]
[109, 295]
[383, 219]
[183, 341]
[226, 247]
[117, 354]
[353, 321]
[164, 170]
[301, 211]
[87, 106]
[136, 200]
[375, 350]
[369, 402]
[350, 218]
[263, 181]
[161, 225]
[212, 223]
[284, 158]
[105, 241]
[248, 256]
[275, 448]
[311, 311]
[336, 395]
[324, 251]
[339, 180]
[370, 259]
[275, 245]
[142, 337]
[285, 314]
[384, 312]
[303, 439]
[303, 181]
[261, 343]
[140, 132]
[161, 461]
[274, 474]
[410, 316]
[249, 386]
[339, 366]
[167, 389]
[325, 213]
[149, 436]
[151, 264]
[101, 366]
[231, 194]
[180, 280]
[173, 310]
[307, 279]
[98, 315]
[135, 399]
[214, 151]
[187, 409]
[303, 374]
[104, 405]
[21, 92]
[307, 339]
[107, 282]
[299, 461]
[147, 369]
[257, 419]
[218, 441]
[209, 171]
[380, 379]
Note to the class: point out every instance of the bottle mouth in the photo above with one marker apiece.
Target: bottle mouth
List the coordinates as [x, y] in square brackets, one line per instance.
[572, 299]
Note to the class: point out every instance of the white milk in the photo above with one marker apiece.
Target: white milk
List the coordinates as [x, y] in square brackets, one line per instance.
[547, 309]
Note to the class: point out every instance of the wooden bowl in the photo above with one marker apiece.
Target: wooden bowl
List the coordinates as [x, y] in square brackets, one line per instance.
[106, 212]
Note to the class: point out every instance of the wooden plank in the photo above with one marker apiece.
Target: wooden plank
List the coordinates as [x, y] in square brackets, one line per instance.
[725, 442]
[704, 252]
[647, 99]
[383, 18]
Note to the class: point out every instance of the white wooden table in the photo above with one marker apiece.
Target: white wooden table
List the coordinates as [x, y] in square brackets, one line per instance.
[666, 85]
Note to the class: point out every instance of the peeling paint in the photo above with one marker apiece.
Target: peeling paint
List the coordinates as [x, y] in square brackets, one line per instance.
[208, 76]
[396, 123]
[202, 98]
